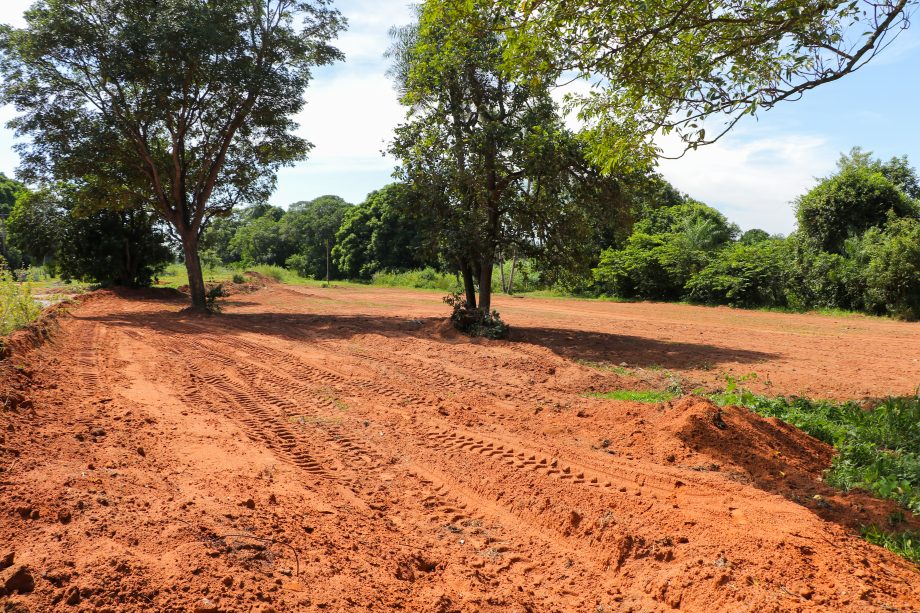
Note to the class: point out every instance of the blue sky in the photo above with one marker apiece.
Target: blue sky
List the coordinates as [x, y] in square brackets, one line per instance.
[751, 176]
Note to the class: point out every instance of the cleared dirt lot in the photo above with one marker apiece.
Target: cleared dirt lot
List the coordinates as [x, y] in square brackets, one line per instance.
[344, 449]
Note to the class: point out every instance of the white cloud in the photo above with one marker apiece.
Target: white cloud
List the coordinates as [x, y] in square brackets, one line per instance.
[753, 176]
[350, 118]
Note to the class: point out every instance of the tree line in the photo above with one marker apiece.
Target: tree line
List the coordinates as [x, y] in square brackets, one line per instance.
[856, 246]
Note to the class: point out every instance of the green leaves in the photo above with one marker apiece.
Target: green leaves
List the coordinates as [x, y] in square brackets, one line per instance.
[179, 106]
[486, 149]
[666, 65]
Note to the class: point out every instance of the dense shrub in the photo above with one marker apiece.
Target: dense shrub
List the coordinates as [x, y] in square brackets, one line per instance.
[847, 205]
[892, 275]
[743, 275]
[817, 279]
[649, 266]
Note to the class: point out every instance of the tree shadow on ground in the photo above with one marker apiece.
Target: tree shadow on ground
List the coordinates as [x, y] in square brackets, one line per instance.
[569, 344]
[634, 350]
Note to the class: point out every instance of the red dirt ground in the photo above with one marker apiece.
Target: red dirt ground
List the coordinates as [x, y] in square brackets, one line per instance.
[343, 449]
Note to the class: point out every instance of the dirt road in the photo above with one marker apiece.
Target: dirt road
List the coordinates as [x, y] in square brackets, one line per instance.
[343, 449]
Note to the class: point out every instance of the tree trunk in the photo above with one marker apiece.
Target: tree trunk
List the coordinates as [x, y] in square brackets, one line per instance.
[469, 286]
[511, 278]
[193, 266]
[485, 288]
[127, 265]
[327, 261]
[501, 269]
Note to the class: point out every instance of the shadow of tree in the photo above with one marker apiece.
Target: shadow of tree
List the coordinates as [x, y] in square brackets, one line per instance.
[569, 344]
[633, 350]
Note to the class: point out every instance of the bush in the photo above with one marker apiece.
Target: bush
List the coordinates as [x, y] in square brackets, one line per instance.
[17, 307]
[475, 322]
[743, 275]
[815, 279]
[649, 266]
[210, 299]
[892, 276]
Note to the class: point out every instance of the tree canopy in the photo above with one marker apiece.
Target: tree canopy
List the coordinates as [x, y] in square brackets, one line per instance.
[847, 204]
[499, 170]
[183, 106]
[311, 227]
[691, 67]
[385, 232]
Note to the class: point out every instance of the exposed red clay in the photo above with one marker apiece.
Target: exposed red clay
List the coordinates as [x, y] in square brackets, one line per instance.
[343, 449]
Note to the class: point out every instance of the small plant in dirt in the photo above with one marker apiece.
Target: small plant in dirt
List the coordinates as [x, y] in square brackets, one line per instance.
[475, 322]
[239, 279]
[211, 304]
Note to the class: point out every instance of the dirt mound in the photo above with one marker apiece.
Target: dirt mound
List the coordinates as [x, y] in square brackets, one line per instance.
[773, 456]
[767, 450]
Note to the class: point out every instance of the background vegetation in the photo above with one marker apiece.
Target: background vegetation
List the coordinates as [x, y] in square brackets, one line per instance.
[856, 248]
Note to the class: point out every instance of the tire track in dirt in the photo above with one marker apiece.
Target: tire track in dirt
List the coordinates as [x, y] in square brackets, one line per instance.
[438, 501]
[500, 503]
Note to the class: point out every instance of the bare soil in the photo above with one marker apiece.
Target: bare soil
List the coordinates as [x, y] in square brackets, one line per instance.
[344, 449]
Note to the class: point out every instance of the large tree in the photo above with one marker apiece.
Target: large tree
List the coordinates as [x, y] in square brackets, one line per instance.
[688, 65]
[384, 232]
[488, 154]
[183, 105]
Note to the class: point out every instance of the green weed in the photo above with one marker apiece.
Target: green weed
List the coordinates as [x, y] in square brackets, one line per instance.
[905, 544]
[17, 306]
[649, 396]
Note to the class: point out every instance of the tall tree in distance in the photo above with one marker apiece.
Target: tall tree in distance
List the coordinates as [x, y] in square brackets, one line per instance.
[184, 105]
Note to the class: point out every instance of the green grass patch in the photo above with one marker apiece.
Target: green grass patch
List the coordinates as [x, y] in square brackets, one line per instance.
[905, 544]
[18, 307]
[427, 278]
[649, 396]
[878, 449]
